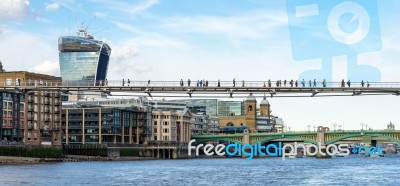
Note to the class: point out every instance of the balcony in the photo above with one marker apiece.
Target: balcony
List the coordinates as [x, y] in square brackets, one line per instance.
[30, 127]
[91, 118]
[74, 126]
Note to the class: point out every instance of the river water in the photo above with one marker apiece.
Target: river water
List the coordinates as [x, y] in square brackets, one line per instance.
[352, 170]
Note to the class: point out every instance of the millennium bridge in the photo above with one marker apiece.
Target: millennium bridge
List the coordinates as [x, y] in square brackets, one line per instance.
[214, 89]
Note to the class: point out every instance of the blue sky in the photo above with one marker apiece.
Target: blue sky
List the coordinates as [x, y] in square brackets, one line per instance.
[174, 39]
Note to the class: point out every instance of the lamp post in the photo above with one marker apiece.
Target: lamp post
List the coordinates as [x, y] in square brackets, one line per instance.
[362, 126]
[308, 126]
[366, 126]
[340, 126]
[334, 127]
[314, 127]
[289, 128]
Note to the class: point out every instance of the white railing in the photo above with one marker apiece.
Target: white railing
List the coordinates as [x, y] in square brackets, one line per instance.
[248, 84]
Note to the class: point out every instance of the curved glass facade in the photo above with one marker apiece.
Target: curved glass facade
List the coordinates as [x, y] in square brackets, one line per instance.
[83, 60]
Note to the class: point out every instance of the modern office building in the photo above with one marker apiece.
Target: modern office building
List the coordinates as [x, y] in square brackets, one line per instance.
[213, 125]
[204, 124]
[83, 60]
[202, 106]
[106, 121]
[32, 117]
[166, 105]
[214, 107]
[105, 125]
[199, 124]
[231, 108]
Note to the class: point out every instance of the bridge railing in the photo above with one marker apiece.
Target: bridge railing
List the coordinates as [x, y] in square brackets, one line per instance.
[303, 132]
[227, 134]
[366, 131]
[249, 84]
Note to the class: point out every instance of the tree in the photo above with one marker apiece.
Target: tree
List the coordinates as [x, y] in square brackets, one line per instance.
[1, 67]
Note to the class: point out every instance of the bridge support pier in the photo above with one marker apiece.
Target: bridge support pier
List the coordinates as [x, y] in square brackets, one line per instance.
[246, 139]
[321, 139]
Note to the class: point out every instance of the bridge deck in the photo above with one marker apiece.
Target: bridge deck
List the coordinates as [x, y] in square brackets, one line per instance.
[226, 90]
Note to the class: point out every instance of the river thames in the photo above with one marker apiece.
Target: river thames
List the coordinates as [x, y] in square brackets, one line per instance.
[352, 170]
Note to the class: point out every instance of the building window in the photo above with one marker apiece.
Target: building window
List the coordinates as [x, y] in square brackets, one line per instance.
[155, 130]
[8, 82]
[250, 108]
[155, 137]
[155, 122]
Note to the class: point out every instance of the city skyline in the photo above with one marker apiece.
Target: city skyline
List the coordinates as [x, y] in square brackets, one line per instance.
[224, 40]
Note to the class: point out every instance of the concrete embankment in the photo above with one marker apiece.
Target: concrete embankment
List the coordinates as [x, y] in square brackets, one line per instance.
[78, 158]
[12, 160]
[18, 160]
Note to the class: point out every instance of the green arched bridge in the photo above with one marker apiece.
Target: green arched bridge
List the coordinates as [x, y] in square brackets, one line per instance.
[325, 137]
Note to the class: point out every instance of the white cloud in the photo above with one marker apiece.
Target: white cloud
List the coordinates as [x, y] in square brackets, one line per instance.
[250, 25]
[14, 9]
[36, 49]
[124, 51]
[150, 38]
[122, 9]
[127, 27]
[144, 6]
[124, 63]
[47, 67]
[52, 7]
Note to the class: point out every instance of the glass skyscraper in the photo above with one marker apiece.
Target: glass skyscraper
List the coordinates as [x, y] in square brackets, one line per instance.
[231, 108]
[215, 107]
[209, 106]
[83, 60]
